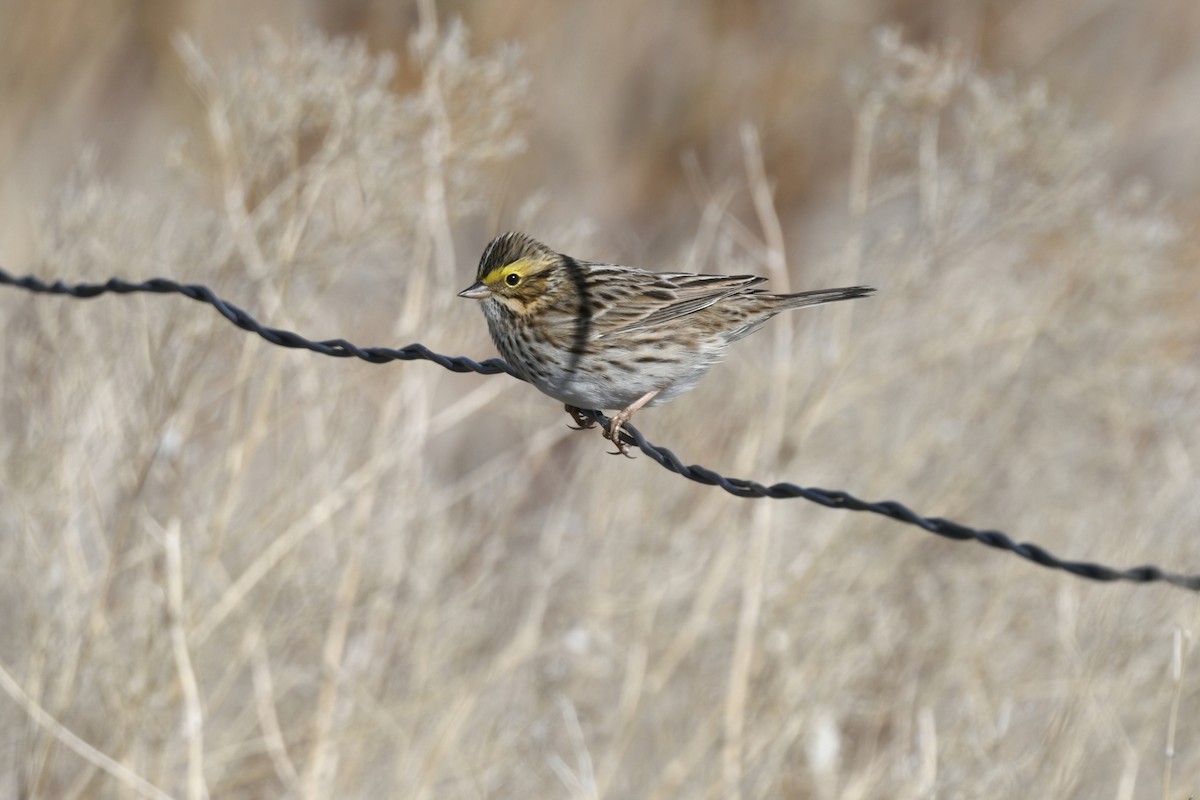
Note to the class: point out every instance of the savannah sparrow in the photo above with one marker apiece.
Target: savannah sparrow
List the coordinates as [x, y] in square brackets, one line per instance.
[603, 336]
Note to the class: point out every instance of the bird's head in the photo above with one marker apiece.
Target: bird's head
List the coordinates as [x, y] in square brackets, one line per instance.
[516, 271]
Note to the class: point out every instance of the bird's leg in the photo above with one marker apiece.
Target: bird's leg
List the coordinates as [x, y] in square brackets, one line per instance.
[581, 420]
[613, 431]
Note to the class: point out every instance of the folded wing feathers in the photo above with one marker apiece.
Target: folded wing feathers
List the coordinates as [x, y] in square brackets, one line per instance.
[691, 293]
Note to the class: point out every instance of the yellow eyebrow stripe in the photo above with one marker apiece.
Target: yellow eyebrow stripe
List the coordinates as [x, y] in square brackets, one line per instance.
[520, 266]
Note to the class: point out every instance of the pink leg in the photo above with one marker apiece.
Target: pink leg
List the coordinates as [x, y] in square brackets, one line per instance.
[613, 432]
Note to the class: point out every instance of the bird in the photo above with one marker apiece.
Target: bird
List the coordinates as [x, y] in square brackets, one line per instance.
[603, 336]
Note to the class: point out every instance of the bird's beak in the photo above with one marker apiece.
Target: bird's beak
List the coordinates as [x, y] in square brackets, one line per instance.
[476, 291]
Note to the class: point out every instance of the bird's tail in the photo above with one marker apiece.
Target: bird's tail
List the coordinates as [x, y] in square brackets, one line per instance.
[801, 299]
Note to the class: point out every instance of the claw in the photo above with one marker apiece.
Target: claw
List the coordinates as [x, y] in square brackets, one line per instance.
[613, 434]
[582, 421]
[613, 431]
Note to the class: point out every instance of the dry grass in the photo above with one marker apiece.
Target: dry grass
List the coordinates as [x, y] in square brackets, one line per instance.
[232, 570]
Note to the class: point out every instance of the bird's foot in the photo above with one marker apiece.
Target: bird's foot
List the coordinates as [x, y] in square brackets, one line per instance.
[613, 433]
[582, 421]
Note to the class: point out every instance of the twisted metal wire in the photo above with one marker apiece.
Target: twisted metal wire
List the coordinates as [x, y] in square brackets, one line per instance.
[740, 487]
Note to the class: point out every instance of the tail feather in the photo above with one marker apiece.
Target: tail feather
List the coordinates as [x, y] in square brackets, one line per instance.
[819, 296]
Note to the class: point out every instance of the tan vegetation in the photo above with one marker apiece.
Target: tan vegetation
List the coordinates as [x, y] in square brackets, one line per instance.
[234, 570]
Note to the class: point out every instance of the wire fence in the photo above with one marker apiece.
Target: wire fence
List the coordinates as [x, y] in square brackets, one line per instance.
[740, 487]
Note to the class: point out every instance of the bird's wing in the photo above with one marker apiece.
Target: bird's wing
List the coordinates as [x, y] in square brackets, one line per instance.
[650, 299]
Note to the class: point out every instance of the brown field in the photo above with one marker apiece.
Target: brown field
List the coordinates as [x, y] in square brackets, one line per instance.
[233, 570]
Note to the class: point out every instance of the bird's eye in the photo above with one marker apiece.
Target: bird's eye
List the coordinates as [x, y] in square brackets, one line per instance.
[513, 279]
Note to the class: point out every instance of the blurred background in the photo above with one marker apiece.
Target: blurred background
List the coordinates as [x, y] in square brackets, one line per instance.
[238, 571]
